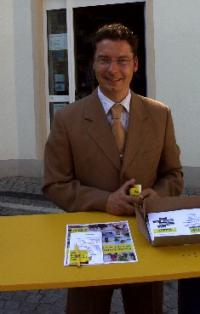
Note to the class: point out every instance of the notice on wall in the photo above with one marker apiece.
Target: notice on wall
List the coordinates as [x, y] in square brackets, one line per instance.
[59, 78]
[58, 41]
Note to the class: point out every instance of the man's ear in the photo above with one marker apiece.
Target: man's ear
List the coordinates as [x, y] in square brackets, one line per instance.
[93, 65]
[135, 64]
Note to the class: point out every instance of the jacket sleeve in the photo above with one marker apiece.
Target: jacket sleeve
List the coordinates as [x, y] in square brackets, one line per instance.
[170, 176]
[60, 184]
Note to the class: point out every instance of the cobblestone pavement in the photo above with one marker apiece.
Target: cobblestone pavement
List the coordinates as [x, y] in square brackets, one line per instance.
[20, 195]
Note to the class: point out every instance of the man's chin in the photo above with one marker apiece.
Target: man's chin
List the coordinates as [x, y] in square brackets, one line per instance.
[113, 93]
[115, 86]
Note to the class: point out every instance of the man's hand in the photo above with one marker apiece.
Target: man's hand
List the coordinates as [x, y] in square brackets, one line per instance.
[148, 193]
[119, 202]
[138, 201]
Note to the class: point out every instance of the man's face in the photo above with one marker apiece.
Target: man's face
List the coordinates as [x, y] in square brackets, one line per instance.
[114, 66]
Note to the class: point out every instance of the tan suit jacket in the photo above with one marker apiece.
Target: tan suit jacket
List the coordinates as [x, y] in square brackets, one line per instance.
[82, 164]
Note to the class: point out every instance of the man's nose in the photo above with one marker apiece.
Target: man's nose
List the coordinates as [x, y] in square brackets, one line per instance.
[113, 66]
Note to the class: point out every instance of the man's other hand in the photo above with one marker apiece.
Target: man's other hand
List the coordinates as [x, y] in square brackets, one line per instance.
[119, 202]
[148, 193]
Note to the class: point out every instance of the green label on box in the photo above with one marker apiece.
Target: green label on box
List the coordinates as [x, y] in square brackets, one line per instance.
[164, 230]
[195, 229]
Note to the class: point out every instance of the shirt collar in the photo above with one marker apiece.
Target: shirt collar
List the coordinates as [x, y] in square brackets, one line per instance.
[107, 103]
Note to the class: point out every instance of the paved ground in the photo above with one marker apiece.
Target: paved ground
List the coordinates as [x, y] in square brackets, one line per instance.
[19, 195]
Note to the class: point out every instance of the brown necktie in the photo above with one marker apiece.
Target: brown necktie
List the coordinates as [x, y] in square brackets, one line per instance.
[117, 127]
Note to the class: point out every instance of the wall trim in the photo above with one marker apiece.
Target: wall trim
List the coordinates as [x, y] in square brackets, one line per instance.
[21, 167]
[192, 176]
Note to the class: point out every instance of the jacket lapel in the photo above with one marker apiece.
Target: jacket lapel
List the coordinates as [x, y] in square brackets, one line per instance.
[99, 129]
[137, 131]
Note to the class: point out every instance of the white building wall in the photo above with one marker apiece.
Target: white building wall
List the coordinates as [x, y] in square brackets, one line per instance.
[8, 118]
[177, 70]
[23, 53]
[18, 154]
[17, 118]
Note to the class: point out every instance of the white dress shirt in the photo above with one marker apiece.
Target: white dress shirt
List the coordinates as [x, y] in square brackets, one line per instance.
[108, 103]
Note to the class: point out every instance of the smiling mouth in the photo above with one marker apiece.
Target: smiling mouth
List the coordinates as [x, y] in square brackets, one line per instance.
[114, 80]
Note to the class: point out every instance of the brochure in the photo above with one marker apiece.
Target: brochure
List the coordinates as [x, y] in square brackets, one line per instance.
[99, 243]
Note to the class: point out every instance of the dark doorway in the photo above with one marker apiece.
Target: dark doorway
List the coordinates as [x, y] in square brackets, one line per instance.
[86, 21]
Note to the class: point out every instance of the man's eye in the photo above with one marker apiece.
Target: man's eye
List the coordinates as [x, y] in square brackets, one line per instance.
[104, 60]
[123, 61]
[120, 61]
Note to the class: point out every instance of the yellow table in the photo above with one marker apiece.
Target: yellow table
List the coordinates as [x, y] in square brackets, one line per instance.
[32, 255]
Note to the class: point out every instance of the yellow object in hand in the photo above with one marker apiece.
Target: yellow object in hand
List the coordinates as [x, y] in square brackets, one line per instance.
[135, 190]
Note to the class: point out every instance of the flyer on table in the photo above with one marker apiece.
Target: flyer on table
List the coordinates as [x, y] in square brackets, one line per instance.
[99, 243]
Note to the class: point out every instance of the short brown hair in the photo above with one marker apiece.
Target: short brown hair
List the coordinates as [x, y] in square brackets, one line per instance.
[116, 31]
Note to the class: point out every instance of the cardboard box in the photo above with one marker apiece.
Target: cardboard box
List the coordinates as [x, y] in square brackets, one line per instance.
[167, 204]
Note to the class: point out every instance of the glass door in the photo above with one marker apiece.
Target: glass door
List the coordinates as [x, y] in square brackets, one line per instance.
[57, 79]
[57, 60]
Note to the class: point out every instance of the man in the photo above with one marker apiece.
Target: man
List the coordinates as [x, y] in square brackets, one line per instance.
[93, 156]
